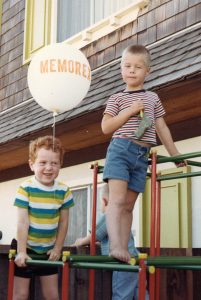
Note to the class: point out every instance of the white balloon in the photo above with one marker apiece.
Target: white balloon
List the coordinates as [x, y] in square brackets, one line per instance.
[59, 77]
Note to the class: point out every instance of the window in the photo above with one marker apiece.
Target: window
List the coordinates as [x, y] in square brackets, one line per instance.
[80, 215]
[78, 21]
[75, 15]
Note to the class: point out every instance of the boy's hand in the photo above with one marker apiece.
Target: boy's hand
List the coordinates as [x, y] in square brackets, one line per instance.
[54, 254]
[21, 258]
[181, 164]
[136, 107]
[78, 242]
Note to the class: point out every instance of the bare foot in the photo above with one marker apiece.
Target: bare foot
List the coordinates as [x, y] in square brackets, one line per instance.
[120, 254]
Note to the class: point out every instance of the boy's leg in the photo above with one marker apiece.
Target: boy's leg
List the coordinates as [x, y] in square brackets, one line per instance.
[123, 285]
[119, 218]
[128, 217]
[21, 288]
[49, 286]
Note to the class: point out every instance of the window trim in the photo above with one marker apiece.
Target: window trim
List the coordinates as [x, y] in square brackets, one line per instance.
[83, 38]
[107, 25]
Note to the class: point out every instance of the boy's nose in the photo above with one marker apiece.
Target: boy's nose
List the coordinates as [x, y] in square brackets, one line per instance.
[48, 166]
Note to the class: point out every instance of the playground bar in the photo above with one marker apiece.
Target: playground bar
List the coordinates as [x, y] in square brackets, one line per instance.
[152, 277]
[93, 232]
[174, 260]
[142, 276]
[177, 158]
[94, 258]
[104, 266]
[11, 274]
[158, 230]
[47, 263]
[183, 175]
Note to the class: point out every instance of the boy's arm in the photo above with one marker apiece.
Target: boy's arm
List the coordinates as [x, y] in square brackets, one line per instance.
[110, 124]
[166, 137]
[83, 241]
[55, 253]
[101, 232]
[22, 235]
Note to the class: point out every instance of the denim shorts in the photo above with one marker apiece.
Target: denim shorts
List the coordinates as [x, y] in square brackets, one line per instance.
[127, 161]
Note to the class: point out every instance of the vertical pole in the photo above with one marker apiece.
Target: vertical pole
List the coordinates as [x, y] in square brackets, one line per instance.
[158, 231]
[11, 269]
[65, 276]
[153, 223]
[142, 276]
[93, 232]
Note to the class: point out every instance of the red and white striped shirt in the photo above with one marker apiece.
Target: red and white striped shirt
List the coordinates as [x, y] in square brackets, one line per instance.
[153, 109]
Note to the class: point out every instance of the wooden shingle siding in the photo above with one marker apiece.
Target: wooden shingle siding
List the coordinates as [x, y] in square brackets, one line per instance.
[160, 19]
[12, 73]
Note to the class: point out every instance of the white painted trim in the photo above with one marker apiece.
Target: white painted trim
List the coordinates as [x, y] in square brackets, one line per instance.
[107, 25]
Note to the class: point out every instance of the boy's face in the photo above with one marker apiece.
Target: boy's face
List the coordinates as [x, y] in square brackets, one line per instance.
[46, 166]
[134, 70]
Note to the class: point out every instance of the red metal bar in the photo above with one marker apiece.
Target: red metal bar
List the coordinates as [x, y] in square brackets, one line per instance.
[158, 231]
[65, 282]
[11, 269]
[93, 232]
[142, 277]
[153, 223]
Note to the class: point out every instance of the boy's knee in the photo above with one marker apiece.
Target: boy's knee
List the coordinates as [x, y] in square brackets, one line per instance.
[20, 295]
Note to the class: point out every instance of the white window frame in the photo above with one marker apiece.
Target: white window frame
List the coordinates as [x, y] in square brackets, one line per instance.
[83, 38]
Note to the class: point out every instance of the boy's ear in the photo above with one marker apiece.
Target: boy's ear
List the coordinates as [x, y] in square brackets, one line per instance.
[31, 165]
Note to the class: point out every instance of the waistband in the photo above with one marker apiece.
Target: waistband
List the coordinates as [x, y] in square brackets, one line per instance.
[137, 145]
[134, 141]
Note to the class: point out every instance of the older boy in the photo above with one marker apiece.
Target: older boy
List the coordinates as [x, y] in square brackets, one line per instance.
[127, 156]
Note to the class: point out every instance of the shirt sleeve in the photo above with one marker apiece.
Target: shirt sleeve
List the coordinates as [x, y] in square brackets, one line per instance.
[22, 199]
[101, 230]
[68, 199]
[112, 107]
[159, 109]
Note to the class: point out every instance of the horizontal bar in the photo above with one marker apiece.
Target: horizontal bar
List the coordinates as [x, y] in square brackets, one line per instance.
[174, 260]
[177, 158]
[94, 258]
[180, 267]
[176, 176]
[194, 163]
[47, 263]
[105, 266]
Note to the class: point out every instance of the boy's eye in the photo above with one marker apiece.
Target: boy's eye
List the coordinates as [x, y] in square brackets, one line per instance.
[54, 163]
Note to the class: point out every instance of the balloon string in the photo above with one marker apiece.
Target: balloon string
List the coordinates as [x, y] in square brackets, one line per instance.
[53, 126]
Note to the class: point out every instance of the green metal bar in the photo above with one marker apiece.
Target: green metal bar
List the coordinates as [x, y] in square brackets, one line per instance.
[194, 163]
[100, 169]
[180, 267]
[178, 158]
[174, 260]
[182, 175]
[94, 258]
[47, 263]
[105, 266]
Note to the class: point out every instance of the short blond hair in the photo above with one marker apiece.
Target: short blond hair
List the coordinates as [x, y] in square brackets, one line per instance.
[47, 142]
[138, 49]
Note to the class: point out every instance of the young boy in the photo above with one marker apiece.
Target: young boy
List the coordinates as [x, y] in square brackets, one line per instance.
[127, 156]
[124, 284]
[43, 209]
